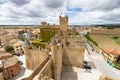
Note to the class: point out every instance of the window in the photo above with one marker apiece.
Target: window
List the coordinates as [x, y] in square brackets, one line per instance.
[62, 45]
[67, 43]
[1, 70]
[12, 75]
[20, 45]
[11, 70]
[5, 78]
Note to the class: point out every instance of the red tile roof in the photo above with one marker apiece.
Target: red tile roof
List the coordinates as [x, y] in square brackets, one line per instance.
[111, 51]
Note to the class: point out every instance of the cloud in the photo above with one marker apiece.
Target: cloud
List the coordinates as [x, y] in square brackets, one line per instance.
[19, 2]
[107, 5]
[54, 3]
[79, 11]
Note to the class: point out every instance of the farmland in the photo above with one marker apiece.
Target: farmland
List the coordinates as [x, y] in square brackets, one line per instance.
[105, 41]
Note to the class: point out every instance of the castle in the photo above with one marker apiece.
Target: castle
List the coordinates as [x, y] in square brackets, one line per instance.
[59, 47]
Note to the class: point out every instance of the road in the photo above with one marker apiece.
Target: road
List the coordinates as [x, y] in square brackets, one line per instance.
[101, 64]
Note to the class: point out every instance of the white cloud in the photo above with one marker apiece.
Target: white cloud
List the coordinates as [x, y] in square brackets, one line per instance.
[35, 11]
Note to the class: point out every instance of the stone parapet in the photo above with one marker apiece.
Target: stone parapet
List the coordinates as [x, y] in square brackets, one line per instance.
[103, 77]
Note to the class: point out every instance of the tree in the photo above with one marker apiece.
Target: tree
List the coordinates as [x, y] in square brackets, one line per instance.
[21, 37]
[115, 37]
[8, 48]
[77, 33]
[90, 39]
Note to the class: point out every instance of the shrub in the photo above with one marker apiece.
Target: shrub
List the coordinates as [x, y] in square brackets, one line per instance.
[77, 33]
[8, 48]
[39, 42]
[21, 37]
[117, 65]
[90, 39]
[115, 37]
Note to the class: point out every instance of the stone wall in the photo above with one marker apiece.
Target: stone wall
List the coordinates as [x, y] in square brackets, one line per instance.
[47, 69]
[73, 57]
[1, 76]
[43, 68]
[73, 52]
[34, 57]
[103, 77]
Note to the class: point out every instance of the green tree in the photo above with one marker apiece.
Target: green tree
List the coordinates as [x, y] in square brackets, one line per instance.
[90, 39]
[77, 33]
[115, 37]
[21, 37]
[8, 48]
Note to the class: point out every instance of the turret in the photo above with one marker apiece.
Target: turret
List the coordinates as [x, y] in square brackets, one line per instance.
[27, 55]
[56, 59]
[29, 35]
[43, 24]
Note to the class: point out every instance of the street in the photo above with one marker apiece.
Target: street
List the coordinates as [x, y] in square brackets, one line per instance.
[101, 64]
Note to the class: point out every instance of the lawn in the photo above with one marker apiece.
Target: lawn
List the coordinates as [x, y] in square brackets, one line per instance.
[116, 39]
[117, 65]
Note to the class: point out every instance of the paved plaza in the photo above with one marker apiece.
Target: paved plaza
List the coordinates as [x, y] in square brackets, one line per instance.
[74, 73]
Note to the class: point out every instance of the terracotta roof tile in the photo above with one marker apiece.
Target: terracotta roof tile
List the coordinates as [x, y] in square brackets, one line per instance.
[111, 51]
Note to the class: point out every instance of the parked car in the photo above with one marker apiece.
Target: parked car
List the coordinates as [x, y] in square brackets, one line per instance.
[85, 62]
[86, 65]
[92, 49]
[20, 62]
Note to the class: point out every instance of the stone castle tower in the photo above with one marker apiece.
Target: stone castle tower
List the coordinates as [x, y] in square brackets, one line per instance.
[34, 55]
[56, 50]
[27, 55]
[63, 24]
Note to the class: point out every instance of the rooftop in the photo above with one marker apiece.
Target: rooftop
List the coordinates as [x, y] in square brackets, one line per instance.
[18, 43]
[5, 54]
[111, 51]
[9, 62]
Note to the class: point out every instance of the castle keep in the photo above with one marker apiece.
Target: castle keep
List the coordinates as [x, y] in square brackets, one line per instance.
[55, 49]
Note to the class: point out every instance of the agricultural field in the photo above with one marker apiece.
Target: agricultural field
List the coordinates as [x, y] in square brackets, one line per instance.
[116, 39]
[105, 41]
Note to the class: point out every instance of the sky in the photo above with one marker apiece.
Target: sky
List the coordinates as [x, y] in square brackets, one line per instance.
[80, 12]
